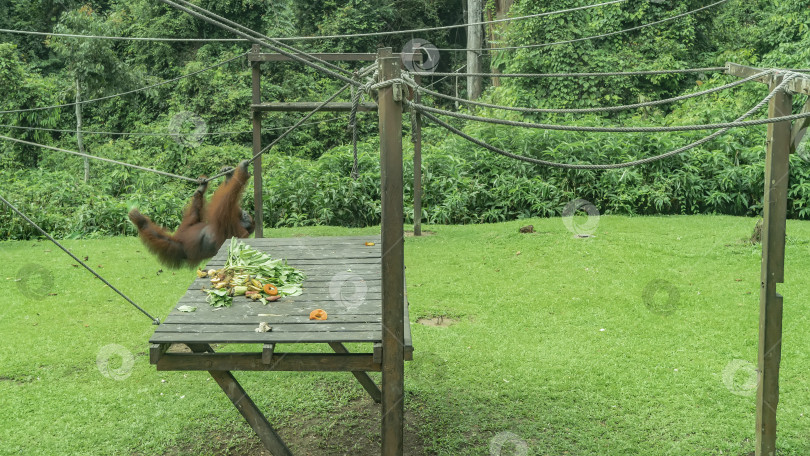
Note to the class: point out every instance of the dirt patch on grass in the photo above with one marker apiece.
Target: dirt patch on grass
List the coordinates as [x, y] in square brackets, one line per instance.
[354, 430]
[439, 320]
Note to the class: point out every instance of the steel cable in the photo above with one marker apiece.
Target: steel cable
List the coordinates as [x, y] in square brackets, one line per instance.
[679, 150]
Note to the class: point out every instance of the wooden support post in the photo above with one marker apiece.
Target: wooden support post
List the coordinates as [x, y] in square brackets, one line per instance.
[267, 353]
[417, 163]
[773, 266]
[79, 142]
[156, 351]
[475, 34]
[393, 264]
[258, 212]
[377, 352]
[246, 407]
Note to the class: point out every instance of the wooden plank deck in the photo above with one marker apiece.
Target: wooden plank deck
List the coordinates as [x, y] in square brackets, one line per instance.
[343, 278]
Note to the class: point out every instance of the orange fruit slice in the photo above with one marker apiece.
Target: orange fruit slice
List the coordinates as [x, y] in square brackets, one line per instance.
[270, 289]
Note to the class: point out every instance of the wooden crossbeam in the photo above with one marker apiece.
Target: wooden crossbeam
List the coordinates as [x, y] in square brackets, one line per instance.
[797, 85]
[306, 106]
[251, 361]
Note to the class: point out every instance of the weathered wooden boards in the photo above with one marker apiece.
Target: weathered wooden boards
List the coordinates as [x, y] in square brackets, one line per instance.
[343, 278]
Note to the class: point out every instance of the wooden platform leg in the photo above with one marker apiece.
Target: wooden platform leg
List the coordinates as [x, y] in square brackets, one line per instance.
[389, 100]
[361, 376]
[246, 407]
[773, 272]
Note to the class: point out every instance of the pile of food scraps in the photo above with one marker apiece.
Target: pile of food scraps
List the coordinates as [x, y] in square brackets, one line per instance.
[253, 274]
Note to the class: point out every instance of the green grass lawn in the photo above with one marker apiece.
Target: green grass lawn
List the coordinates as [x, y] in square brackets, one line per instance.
[555, 348]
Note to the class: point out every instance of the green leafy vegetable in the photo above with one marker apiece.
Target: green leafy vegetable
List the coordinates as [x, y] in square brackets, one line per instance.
[218, 297]
[247, 269]
[244, 261]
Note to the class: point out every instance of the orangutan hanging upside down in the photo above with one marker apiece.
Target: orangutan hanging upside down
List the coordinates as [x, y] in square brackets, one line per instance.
[204, 227]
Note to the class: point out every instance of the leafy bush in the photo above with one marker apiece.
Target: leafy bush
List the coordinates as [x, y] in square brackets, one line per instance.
[461, 183]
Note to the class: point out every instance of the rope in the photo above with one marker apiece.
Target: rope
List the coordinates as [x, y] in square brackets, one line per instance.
[116, 133]
[262, 43]
[322, 37]
[577, 75]
[614, 165]
[447, 27]
[455, 73]
[259, 35]
[601, 109]
[424, 109]
[531, 46]
[353, 127]
[129, 92]
[108, 160]
[290, 129]
[154, 320]
[389, 82]
[128, 38]
[362, 72]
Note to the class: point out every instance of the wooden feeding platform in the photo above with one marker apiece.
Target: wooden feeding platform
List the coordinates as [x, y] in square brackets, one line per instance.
[343, 277]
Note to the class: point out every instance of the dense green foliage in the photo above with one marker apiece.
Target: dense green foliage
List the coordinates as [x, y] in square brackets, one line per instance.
[307, 174]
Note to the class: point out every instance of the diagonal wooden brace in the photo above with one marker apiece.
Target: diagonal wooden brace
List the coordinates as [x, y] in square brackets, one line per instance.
[246, 407]
[361, 376]
[799, 129]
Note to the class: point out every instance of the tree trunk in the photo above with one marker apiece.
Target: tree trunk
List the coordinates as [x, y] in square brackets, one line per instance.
[496, 33]
[79, 130]
[475, 36]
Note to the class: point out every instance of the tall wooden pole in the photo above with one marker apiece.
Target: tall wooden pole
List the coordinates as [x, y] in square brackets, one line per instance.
[417, 163]
[475, 34]
[773, 267]
[393, 256]
[79, 140]
[258, 213]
